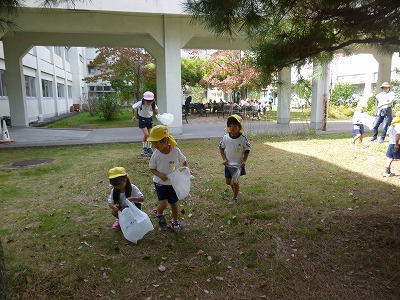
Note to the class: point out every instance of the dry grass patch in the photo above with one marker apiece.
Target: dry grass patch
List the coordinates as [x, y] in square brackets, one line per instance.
[315, 220]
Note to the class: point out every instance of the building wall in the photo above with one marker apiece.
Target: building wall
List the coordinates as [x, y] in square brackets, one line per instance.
[42, 63]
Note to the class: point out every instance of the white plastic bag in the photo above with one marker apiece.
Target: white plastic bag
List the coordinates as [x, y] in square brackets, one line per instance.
[235, 172]
[134, 223]
[166, 118]
[180, 179]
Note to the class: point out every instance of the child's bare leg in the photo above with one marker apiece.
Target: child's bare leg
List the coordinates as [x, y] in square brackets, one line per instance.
[235, 189]
[175, 211]
[361, 138]
[162, 205]
[356, 137]
[146, 134]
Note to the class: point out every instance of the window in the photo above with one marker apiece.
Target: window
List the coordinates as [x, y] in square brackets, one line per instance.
[69, 91]
[30, 86]
[3, 88]
[58, 51]
[47, 88]
[67, 53]
[92, 88]
[91, 69]
[60, 90]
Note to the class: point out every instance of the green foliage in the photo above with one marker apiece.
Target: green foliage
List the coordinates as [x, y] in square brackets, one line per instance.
[191, 71]
[342, 94]
[109, 106]
[285, 33]
[341, 112]
[303, 89]
[371, 105]
[198, 94]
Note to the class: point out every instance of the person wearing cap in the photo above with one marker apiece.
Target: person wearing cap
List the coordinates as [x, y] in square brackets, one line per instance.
[165, 160]
[234, 149]
[384, 111]
[393, 151]
[146, 109]
[358, 119]
[123, 190]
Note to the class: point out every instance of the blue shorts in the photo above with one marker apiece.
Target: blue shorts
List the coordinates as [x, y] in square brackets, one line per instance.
[390, 153]
[145, 122]
[358, 129]
[229, 175]
[166, 192]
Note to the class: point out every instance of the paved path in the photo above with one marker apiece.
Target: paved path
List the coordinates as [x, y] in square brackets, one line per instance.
[196, 129]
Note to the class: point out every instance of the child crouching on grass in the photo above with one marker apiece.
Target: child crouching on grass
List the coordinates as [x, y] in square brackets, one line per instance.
[165, 160]
[234, 149]
[123, 190]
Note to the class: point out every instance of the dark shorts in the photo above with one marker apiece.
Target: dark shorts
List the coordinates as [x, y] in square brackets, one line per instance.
[166, 192]
[229, 175]
[358, 129]
[145, 122]
[390, 153]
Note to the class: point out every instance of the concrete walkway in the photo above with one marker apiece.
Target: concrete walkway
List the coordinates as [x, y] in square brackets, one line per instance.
[44, 137]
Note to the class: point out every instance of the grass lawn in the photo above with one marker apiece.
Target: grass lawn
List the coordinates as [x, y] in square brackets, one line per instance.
[315, 220]
[86, 121]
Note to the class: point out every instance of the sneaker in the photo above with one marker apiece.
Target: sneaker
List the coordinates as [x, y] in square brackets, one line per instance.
[388, 174]
[381, 140]
[372, 139]
[233, 201]
[176, 226]
[149, 151]
[144, 151]
[352, 142]
[162, 222]
[116, 225]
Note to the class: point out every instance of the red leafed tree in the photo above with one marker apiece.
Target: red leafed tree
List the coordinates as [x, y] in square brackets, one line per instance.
[127, 69]
[232, 71]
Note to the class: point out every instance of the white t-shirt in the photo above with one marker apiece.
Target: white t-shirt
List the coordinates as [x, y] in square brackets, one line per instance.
[122, 198]
[146, 111]
[166, 163]
[234, 148]
[384, 97]
[392, 131]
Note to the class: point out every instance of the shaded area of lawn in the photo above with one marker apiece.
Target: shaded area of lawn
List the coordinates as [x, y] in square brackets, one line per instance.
[315, 220]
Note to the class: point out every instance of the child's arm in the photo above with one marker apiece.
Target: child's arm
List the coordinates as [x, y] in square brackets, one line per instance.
[224, 159]
[162, 176]
[245, 156]
[396, 146]
[133, 114]
[136, 199]
[114, 207]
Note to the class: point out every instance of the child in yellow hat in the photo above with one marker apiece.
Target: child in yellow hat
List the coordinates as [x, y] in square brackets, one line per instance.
[165, 160]
[123, 190]
[234, 149]
[393, 150]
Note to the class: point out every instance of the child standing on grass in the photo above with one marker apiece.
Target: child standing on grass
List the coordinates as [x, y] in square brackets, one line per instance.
[123, 190]
[146, 108]
[165, 160]
[358, 126]
[393, 151]
[234, 149]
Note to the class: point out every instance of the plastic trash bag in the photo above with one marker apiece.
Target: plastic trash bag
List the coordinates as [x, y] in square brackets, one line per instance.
[180, 179]
[368, 120]
[134, 223]
[235, 172]
[165, 119]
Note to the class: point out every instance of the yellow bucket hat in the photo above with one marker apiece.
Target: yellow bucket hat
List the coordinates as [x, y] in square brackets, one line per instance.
[159, 132]
[116, 172]
[396, 120]
[238, 119]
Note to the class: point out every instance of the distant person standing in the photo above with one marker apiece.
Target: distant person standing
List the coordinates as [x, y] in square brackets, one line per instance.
[393, 151]
[187, 104]
[270, 101]
[384, 111]
[358, 123]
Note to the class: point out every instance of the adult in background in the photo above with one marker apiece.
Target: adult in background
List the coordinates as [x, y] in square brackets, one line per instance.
[187, 104]
[384, 111]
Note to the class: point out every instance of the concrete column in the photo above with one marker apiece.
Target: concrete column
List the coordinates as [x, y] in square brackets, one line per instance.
[384, 70]
[284, 93]
[13, 53]
[169, 75]
[320, 96]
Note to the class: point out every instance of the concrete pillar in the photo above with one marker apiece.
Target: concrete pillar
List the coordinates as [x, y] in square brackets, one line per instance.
[284, 93]
[384, 70]
[13, 53]
[169, 75]
[320, 96]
